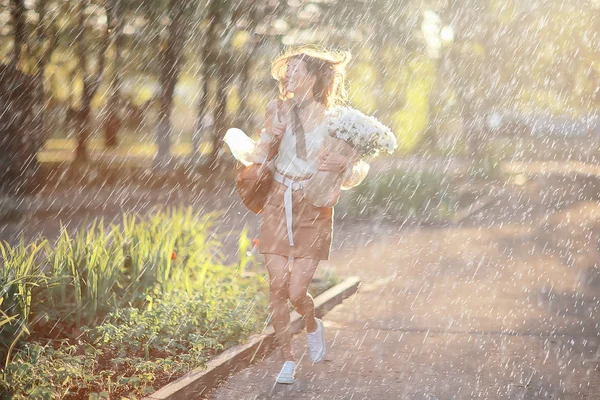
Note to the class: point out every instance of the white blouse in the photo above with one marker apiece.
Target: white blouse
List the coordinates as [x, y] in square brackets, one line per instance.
[287, 162]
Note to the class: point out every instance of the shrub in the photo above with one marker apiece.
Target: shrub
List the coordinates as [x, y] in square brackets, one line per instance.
[401, 194]
[120, 309]
[133, 352]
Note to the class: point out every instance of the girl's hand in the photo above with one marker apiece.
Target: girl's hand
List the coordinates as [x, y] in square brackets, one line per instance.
[278, 129]
[263, 168]
[335, 162]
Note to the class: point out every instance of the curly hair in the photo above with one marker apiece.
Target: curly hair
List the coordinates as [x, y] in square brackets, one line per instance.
[329, 67]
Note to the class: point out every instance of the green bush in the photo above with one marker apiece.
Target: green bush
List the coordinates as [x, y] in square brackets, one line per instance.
[95, 271]
[20, 276]
[401, 194]
[79, 279]
[114, 310]
[133, 352]
[486, 165]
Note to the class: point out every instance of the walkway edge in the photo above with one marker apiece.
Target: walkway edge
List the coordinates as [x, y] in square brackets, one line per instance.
[201, 380]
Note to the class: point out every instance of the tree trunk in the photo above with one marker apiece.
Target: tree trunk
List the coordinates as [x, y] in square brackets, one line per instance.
[244, 116]
[113, 122]
[224, 77]
[199, 127]
[91, 82]
[257, 13]
[50, 41]
[18, 15]
[214, 18]
[113, 117]
[430, 136]
[16, 100]
[171, 60]
[39, 127]
[83, 133]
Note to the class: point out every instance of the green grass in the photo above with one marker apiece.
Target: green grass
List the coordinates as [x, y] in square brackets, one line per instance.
[148, 291]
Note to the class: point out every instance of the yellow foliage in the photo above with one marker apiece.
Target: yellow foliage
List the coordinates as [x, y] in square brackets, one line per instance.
[417, 93]
[233, 100]
[362, 78]
[408, 125]
[101, 96]
[59, 85]
[505, 11]
[66, 60]
[257, 102]
[77, 90]
[395, 83]
[363, 73]
[240, 39]
[363, 99]
[365, 53]
[393, 56]
[478, 49]
[421, 65]
[144, 93]
[541, 99]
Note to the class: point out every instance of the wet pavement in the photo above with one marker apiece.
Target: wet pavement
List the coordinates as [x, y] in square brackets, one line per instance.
[480, 311]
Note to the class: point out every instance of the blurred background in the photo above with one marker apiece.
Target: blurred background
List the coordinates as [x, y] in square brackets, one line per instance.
[107, 103]
[163, 79]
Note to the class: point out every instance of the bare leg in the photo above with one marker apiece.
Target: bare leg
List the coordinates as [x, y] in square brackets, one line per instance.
[303, 270]
[279, 280]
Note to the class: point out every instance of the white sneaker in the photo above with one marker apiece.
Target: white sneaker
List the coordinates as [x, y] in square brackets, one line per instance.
[316, 343]
[286, 375]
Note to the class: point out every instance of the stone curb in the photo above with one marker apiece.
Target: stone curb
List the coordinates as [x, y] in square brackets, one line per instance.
[201, 380]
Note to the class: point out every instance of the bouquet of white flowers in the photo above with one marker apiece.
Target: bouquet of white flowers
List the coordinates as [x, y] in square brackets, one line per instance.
[354, 135]
[364, 133]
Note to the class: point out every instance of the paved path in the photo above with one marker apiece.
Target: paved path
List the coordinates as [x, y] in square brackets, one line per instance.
[510, 311]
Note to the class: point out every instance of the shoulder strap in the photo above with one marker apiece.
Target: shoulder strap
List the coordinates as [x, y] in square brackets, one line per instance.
[279, 110]
[274, 149]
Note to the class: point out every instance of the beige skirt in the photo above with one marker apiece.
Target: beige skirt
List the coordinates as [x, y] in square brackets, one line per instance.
[312, 227]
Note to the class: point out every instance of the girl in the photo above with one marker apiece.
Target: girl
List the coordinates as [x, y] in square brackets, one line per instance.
[294, 234]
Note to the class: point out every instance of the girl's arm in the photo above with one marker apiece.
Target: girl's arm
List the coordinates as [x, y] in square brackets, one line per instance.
[355, 173]
[265, 142]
